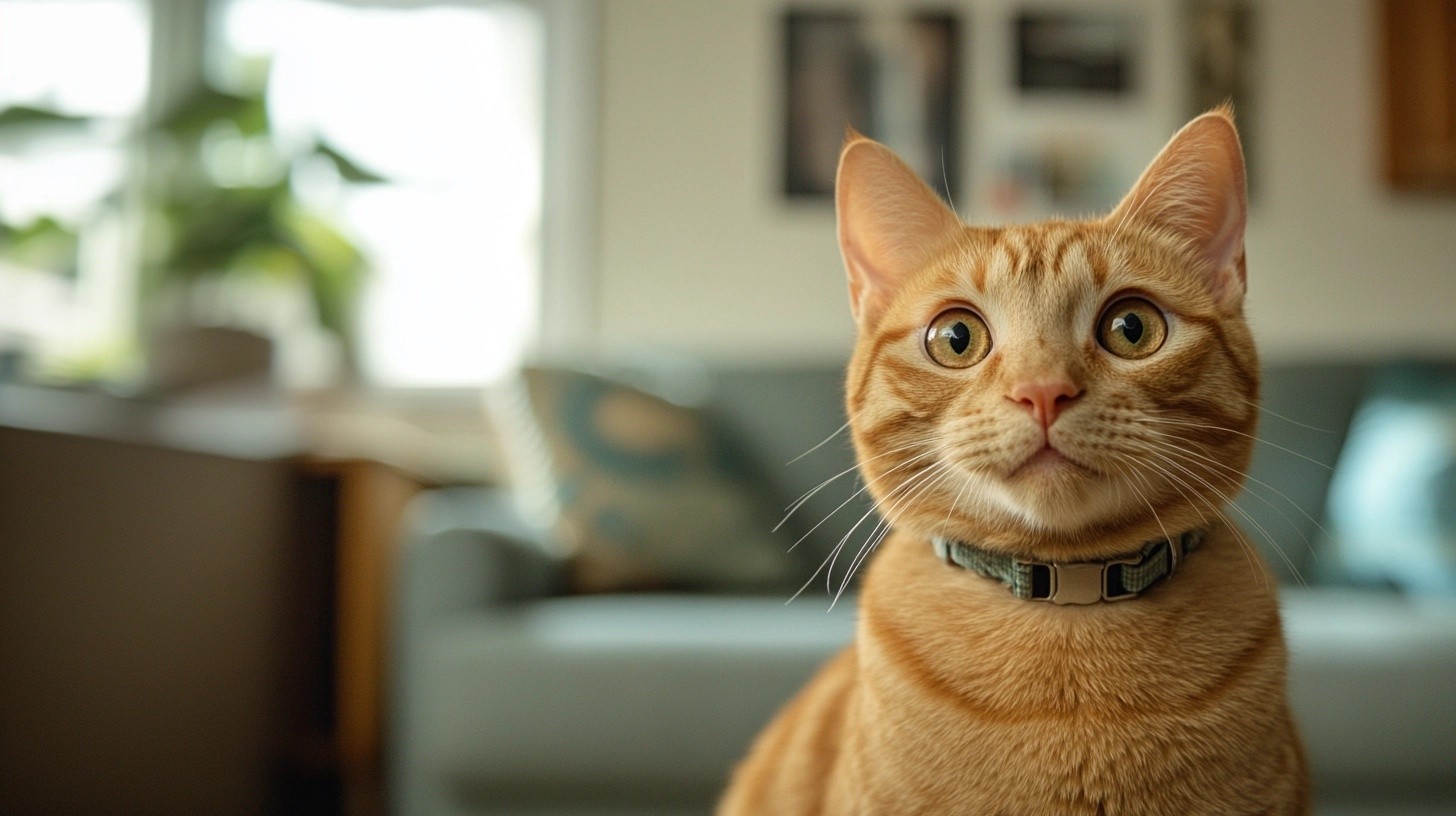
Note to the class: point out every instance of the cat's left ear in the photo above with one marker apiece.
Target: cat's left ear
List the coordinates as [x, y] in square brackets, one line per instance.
[1195, 190]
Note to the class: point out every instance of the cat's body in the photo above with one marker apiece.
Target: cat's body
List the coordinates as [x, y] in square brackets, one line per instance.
[1061, 392]
[959, 699]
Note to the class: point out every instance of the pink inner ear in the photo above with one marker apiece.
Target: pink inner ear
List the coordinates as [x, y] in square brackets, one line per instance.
[889, 222]
[1225, 251]
[1195, 189]
[861, 281]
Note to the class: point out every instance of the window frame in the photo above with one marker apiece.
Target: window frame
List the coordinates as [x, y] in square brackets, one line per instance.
[566, 316]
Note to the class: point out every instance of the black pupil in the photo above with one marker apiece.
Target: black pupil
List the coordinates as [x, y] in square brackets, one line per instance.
[1132, 327]
[959, 336]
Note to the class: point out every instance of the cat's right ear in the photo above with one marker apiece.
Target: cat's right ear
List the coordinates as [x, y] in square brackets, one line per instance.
[890, 223]
[1195, 191]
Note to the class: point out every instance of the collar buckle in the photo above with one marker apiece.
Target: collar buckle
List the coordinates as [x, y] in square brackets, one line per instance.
[1077, 583]
[1081, 584]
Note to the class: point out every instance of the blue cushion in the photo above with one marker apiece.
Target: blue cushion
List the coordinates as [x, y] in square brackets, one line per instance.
[1393, 495]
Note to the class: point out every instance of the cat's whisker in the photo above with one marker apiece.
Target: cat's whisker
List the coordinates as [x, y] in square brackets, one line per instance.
[1203, 519]
[892, 451]
[878, 533]
[837, 432]
[1231, 479]
[832, 558]
[1178, 484]
[1191, 424]
[945, 178]
[1234, 473]
[1149, 504]
[799, 502]
[1228, 502]
[951, 508]
[1254, 404]
[945, 473]
[868, 548]
[863, 488]
[834, 551]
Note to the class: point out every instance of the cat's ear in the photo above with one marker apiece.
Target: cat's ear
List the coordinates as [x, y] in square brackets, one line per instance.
[890, 223]
[1195, 190]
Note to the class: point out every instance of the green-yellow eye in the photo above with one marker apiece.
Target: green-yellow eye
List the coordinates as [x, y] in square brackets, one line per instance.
[957, 338]
[1132, 328]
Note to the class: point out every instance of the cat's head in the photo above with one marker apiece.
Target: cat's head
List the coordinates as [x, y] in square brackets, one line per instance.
[1063, 386]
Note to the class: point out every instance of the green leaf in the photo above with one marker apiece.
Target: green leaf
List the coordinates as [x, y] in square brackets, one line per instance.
[211, 229]
[44, 244]
[24, 116]
[349, 170]
[206, 107]
[334, 267]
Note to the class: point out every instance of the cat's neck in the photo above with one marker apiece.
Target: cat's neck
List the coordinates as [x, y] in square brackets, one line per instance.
[1123, 577]
[907, 575]
[1109, 539]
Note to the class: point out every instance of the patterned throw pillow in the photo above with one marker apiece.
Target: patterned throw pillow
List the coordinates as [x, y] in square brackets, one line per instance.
[1392, 502]
[641, 493]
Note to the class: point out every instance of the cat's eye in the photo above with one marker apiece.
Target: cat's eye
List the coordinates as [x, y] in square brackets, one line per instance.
[1132, 328]
[957, 338]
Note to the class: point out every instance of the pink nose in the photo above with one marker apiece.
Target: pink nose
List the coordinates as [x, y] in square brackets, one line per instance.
[1045, 400]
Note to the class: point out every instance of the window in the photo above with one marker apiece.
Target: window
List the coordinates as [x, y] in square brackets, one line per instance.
[433, 116]
[444, 105]
[73, 81]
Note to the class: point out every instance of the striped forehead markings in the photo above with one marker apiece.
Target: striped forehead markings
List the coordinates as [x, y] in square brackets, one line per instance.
[1030, 257]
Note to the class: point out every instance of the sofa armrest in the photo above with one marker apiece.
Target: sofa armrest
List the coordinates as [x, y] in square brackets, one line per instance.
[466, 548]
[464, 551]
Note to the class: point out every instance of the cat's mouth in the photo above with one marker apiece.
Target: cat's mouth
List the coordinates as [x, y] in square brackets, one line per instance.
[1047, 460]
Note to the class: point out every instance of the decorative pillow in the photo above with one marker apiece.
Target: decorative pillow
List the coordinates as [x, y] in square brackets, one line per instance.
[1393, 496]
[641, 493]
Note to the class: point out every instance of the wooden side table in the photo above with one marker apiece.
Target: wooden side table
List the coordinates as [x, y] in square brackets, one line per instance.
[370, 500]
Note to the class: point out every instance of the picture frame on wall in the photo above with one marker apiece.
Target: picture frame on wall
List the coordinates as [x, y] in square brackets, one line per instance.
[1060, 146]
[894, 77]
[1220, 42]
[1083, 52]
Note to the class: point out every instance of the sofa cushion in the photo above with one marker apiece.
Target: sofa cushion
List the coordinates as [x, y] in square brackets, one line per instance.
[614, 695]
[642, 493]
[595, 697]
[1370, 681]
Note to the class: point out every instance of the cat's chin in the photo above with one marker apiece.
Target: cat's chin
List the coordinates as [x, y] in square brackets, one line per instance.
[1050, 491]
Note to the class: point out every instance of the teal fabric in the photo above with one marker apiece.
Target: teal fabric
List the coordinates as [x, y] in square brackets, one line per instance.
[1151, 563]
[648, 494]
[1393, 495]
[1016, 575]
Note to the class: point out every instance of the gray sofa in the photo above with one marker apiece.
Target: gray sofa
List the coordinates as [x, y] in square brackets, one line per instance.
[511, 697]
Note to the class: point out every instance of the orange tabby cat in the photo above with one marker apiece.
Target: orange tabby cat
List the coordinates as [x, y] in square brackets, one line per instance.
[1077, 393]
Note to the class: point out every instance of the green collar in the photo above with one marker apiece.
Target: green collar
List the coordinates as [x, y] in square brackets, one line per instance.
[1079, 582]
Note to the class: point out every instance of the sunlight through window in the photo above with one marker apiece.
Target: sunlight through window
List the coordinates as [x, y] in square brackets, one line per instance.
[73, 77]
[444, 104]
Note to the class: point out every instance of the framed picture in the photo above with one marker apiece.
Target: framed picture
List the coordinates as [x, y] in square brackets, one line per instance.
[1085, 52]
[893, 77]
[1221, 47]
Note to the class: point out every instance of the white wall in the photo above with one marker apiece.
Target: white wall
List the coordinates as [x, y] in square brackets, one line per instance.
[698, 252]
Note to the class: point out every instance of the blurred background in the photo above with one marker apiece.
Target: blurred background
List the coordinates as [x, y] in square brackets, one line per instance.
[328, 327]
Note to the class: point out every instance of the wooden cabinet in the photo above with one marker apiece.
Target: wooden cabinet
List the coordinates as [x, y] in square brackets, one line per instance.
[187, 630]
[1418, 41]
